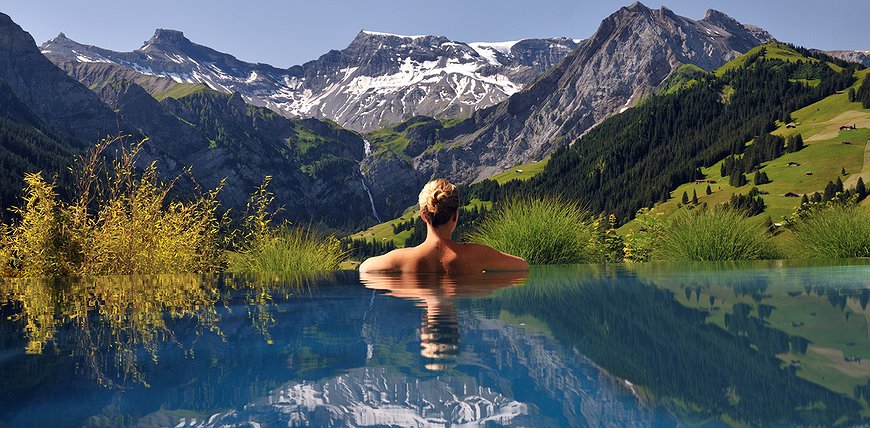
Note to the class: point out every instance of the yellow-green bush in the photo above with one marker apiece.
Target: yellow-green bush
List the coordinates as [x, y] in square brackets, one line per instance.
[118, 222]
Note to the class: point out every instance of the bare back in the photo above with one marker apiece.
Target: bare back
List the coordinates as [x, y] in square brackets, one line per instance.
[445, 256]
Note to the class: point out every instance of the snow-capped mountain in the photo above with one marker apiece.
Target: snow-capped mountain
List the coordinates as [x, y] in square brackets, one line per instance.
[861, 57]
[632, 53]
[378, 79]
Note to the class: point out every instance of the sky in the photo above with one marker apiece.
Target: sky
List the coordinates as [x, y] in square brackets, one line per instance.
[290, 32]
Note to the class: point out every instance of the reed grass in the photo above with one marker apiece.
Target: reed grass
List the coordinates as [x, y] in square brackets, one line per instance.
[713, 235]
[543, 231]
[286, 250]
[835, 231]
[290, 251]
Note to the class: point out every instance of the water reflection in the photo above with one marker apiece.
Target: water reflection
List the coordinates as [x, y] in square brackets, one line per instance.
[757, 344]
[439, 332]
[745, 343]
[116, 324]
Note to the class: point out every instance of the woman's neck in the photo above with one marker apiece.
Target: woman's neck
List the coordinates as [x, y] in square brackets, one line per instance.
[435, 235]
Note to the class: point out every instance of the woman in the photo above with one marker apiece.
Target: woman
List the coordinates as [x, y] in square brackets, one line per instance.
[439, 209]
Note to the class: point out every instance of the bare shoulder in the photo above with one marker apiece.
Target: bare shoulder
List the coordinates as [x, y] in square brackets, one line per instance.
[491, 259]
[391, 261]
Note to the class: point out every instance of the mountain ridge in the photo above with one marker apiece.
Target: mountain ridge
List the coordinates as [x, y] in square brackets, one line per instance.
[378, 78]
[215, 136]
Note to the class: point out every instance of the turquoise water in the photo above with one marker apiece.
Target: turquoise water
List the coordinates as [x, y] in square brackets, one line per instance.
[769, 343]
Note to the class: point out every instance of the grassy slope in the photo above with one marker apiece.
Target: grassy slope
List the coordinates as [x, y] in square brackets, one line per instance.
[180, 90]
[772, 51]
[384, 231]
[824, 155]
[529, 170]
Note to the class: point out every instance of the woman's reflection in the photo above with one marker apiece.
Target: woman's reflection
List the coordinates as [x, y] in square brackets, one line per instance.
[439, 333]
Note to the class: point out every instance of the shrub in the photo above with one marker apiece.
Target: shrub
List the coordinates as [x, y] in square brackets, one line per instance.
[290, 250]
[714, 234]
[542, 231]
[834, 231]
[640, 243]
[119, 222]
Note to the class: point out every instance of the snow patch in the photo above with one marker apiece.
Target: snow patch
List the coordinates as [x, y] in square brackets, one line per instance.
[378, 33]
[503, 47]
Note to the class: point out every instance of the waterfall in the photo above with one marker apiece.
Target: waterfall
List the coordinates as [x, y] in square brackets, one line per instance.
[371, 199]
[367, 147]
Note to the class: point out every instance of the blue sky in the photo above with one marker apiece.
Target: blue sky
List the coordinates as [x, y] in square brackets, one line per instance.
[285, 33]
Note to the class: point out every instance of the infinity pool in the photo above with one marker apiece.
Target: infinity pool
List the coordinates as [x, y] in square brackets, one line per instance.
[770, 343]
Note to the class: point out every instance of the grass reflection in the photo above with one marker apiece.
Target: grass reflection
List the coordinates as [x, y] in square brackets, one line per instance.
[119, 324]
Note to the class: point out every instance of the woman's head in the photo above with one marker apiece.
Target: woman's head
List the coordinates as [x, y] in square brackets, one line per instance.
[439, 201]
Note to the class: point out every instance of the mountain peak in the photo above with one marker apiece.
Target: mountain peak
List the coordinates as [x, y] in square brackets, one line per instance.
[13, 39]
[365, 32]
[721, 19]
[637, 6]
[167, 37]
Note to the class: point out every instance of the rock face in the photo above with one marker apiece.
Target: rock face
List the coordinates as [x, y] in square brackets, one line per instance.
[634, 50]
[313, 163]
[860, 57]
[61, 102]
[378, 79]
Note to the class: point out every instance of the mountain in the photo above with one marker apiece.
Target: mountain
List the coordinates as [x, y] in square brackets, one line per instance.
[47, 117]
[711, 137]
[633, 51]
[860, 57]
[378, 79]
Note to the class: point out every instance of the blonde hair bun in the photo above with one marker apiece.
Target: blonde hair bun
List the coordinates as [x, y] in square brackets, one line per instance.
[438, 201]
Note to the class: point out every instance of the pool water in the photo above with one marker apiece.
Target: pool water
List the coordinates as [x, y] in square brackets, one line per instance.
[760, 344]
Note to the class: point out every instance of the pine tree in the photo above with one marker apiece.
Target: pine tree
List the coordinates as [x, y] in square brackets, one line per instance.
[830, 191]
[851, 95]
[843, 172]
[685, 199]
[709, 191]
[860, 189]
[805, 200]
[694, 198]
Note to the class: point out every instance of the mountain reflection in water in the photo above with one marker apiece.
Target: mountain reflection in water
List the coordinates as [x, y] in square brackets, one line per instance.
[759, 344]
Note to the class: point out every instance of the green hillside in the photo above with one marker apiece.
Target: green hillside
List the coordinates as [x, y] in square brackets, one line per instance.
[775, 51]
[521, 172]
[180, 90]
[825, 156]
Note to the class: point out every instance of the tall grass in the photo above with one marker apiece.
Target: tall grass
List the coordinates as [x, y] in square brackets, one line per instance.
[118, 221]
[286, 250]
[835, 231]
[543, 231]
[292, 251]
[712, 235]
